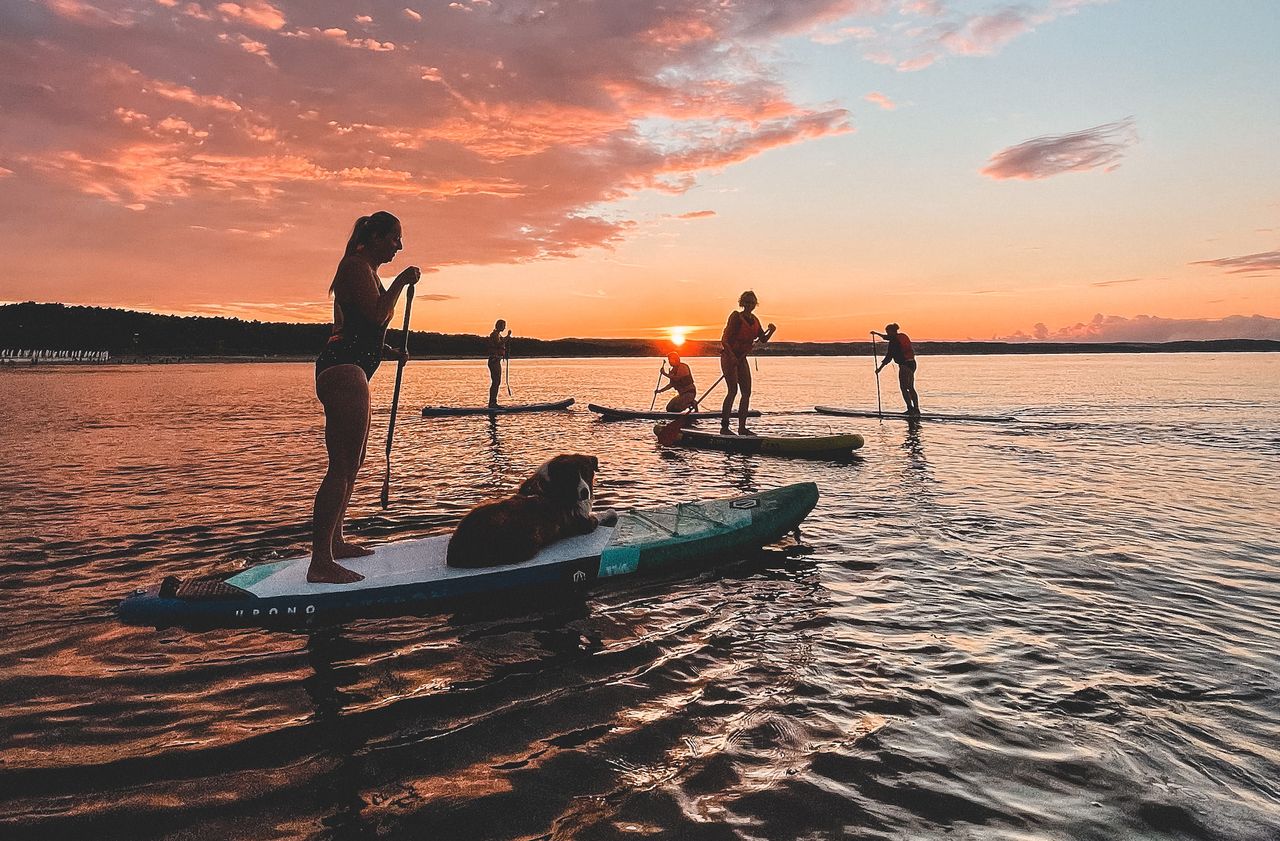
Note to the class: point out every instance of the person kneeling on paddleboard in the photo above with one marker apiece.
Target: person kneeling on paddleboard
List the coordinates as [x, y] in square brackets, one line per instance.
[681, 379]
[496, 344]
[740, 334]
[901, 351]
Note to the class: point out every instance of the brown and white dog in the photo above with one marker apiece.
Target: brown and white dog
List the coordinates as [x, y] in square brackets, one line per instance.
[552, 504]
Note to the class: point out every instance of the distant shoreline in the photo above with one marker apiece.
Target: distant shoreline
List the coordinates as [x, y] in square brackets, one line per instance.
[214, 359]
[146, 338]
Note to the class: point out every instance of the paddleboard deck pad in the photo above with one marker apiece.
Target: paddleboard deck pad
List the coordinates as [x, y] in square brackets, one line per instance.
[862, 413]
[610, 413]
[509, 409]
[824, 446]
[411, 576]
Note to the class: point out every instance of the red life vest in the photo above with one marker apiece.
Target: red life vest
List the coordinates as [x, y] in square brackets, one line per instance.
[904, 344]
[741, 333]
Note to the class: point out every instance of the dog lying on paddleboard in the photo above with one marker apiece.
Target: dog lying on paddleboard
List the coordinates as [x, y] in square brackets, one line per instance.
[553, 503]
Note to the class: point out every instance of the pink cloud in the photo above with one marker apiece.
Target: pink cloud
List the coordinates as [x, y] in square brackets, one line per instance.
[877, 98]
[1150, 328]
[255, 13]
[697, 214]
[1265, 262]
[945, 31]
[1043, 157]
[490, 140]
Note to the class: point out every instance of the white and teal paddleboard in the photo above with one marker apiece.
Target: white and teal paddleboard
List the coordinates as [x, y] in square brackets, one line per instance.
[411, 575]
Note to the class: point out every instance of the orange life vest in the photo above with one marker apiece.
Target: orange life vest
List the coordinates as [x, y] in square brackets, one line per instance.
[741, 333]
[682, 379]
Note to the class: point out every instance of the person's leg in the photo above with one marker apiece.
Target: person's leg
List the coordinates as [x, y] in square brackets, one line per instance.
[341, 548]
[495, 380]
[680, 402]
[744, 380]
[344, 392]
[728, 367]
[906, 384]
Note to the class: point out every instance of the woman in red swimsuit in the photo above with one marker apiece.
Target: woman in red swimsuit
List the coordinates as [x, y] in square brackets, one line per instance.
[362, 309]
[740, 335]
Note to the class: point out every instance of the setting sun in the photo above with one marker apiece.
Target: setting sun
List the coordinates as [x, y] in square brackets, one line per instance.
[677, 335]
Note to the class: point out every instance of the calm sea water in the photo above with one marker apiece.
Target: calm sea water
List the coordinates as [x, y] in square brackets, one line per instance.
[1064, 628]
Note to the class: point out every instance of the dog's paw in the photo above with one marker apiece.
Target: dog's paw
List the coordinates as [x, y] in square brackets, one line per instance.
[608, 518]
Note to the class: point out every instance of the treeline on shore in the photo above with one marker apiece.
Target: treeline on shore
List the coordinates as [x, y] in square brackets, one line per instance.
[127, 333]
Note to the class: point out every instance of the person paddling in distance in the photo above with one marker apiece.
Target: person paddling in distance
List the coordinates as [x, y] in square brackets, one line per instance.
[496, 344]
[362, 308]
[740, 334]
[680, 377]
[901, 351]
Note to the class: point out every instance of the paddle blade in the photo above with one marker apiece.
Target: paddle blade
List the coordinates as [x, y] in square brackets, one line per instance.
[386, 493]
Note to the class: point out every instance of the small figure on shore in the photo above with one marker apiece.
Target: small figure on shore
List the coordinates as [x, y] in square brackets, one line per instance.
[901, 351]
[680, 377]
[362, 308]
[740, 335]
[497, 347]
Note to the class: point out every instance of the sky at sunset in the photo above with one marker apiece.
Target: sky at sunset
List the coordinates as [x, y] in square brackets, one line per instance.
[1054, 169]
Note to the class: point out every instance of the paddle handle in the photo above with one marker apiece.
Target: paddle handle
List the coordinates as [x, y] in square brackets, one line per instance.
[395, 397]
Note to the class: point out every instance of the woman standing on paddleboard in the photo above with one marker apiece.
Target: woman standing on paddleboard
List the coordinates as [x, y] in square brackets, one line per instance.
[362, 308]
[901, 351]
[497, 347]
[740, 335]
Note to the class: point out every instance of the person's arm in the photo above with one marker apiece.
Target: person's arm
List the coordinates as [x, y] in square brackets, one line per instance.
[390, 353]
[356, 286]
[766, 335]
[888, 357]
[729, 331]
[663, 373]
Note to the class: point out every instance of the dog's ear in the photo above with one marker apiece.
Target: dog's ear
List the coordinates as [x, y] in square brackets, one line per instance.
[595, 463]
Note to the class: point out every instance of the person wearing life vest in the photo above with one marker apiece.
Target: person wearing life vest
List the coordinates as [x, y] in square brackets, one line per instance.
[901, 351]
[680, 378]
[740, 335]
[496, 345]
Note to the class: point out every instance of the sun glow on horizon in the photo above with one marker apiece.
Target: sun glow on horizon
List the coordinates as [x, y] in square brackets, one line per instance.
[678, 334]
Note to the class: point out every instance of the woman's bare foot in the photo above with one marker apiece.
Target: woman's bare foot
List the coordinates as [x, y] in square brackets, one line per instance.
[724, 430]
[350, 550]
[742, 430]
[329, 572]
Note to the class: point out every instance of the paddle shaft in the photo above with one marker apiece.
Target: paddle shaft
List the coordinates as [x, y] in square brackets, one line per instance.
[506, 354]
[654, 402]
[395, 397]
[875, 355]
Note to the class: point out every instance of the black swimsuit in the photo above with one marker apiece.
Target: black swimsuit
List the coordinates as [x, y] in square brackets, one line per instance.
[357, 342]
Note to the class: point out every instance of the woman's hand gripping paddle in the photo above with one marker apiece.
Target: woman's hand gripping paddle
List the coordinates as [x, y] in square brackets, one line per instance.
[395, 396]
